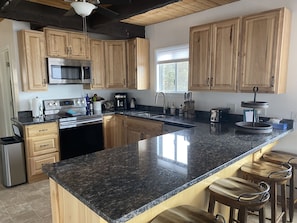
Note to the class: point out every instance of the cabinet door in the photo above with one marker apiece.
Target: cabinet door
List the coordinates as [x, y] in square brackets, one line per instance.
[114, 131]
[138, 64]
[78, 46]
[199, 61]
[56, 43]
[98, 64]
[224, 63]
[115, 63]
[32, 60]
[264, 51]
[138, 129]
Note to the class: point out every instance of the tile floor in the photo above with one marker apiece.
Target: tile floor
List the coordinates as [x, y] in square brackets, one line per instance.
[30, 203]
[26, 203]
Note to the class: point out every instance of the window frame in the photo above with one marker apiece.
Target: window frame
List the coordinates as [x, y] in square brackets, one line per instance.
[177, 48]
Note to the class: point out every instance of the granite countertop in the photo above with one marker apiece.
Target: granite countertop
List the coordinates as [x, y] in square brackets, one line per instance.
[121, 183]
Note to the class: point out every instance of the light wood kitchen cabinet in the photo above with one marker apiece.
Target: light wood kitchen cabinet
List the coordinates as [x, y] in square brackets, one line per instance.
[214, 56]
[139, 129]
[114, 131]
[120, 130]
[265, 44]
[67, 44]
[115, 63]
[42, 146]
[32, 60]
[98, 65]
[138, 64]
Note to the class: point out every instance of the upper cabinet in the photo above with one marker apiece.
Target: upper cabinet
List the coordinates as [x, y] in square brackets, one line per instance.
[138, 64]
[67, 44]
[214, 56]
[115, 63]
[32, 60]
[98, 65]
[265, 44]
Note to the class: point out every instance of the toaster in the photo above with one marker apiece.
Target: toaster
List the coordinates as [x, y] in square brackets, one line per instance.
[219, 114]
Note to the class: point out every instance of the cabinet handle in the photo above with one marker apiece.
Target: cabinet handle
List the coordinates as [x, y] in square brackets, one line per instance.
[43, 130]
[211, 81]
[44, 145]
[272, 81]
[208, 81]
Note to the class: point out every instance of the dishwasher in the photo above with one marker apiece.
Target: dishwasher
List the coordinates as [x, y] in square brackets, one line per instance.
[12, 161]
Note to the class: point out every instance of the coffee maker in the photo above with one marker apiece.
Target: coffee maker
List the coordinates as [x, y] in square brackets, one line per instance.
[120, 101]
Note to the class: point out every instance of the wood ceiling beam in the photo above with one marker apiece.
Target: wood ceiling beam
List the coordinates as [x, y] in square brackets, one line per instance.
[41, 15]
[126, 11]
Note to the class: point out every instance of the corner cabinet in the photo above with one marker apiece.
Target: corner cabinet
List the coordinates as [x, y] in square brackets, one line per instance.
[115, 63]
[41, 146]
[265, 45]
[32, 60]
[138, 129]
[214, 56]
[138, 64]
[72, 45]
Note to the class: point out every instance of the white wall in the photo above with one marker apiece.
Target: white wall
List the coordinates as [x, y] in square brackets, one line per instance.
[176, 32]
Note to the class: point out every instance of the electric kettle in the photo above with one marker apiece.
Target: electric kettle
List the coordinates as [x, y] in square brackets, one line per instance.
[133, 103]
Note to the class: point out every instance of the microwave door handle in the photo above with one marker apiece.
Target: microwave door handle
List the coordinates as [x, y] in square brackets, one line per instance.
[82, 72]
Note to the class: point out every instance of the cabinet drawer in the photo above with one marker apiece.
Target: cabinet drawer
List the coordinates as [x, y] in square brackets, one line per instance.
[41, 129]
[42, 145]
[35, 163]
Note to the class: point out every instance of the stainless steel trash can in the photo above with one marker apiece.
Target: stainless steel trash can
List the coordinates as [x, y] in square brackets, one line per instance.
[12, 161]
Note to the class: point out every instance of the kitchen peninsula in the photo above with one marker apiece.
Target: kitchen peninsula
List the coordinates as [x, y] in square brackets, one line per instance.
[134, 183]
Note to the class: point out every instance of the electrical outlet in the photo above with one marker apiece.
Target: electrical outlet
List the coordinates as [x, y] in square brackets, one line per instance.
[232, 108]
[294, 116]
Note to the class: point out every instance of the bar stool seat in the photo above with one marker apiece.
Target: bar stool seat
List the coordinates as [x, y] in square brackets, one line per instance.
[238, 193]
[186, 214]
[274, 175]
[280, 157]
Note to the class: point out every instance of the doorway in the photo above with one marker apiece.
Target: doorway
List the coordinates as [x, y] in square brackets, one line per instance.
[6, 96]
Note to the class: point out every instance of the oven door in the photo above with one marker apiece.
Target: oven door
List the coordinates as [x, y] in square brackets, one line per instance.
[80, 140]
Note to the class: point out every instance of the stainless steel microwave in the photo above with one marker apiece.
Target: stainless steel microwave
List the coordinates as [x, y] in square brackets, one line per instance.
[66, 71]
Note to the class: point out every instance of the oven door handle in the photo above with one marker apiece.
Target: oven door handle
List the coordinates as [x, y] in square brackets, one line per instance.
[66, 125]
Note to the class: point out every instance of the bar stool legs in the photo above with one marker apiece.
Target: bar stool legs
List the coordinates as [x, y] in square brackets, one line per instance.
[281, 157]
[273, 174]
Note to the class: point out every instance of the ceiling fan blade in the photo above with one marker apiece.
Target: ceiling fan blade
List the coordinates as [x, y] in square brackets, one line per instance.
[106, 12]
[70, 12]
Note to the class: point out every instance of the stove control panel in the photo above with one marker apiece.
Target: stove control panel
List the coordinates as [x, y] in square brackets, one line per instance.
[54, 106]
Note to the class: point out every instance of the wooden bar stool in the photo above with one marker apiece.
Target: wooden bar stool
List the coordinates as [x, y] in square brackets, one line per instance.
[274, 175]
[280, 157]
[238, 193]
[186, 214]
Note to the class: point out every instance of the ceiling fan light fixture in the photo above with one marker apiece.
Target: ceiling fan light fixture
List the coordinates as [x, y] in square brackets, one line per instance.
[83, 8]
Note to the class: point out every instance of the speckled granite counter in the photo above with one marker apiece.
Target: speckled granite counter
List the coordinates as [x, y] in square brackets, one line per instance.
[121, 183]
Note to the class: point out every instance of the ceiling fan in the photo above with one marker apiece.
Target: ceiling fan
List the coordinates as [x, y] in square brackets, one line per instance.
[86, 7]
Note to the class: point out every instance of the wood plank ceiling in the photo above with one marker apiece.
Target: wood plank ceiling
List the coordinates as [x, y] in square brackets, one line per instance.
[127, 20]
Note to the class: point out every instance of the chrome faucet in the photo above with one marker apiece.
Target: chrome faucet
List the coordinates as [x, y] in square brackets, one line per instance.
[156, 99]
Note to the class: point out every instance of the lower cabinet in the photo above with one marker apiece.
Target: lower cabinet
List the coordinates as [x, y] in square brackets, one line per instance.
[42, 146]
[113, 131]
[120, 130]
[139, 129]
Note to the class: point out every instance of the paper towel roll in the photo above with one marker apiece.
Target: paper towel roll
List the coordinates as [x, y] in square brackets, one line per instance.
[36, 103]
[97, 107]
